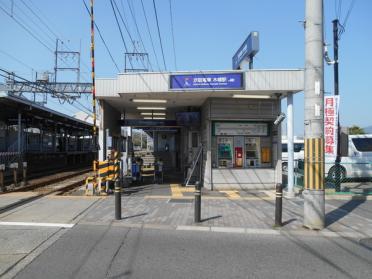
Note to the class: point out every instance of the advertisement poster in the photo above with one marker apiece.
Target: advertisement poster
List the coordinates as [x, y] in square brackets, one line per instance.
[331, 105]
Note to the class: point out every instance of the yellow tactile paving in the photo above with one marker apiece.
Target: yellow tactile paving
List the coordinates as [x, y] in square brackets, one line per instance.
[176, 190]
[231, 194]
[213, 198]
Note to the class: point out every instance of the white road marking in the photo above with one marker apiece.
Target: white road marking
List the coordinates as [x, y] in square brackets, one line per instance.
[31, 224]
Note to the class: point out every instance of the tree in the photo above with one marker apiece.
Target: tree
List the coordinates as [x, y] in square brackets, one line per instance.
[356, 130]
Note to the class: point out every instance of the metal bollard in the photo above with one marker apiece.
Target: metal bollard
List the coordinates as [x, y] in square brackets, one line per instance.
[2, 186]
[197, 203]
[278, 204]
[117, 192]
[14, 166]
[24, 172]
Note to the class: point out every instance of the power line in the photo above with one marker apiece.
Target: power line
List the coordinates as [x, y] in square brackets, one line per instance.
[126, 28]
[125, 45]
[161, 44]
[26, 29]
[44, 23]
[47, 21]
[38, 27]
[17, 60]
[39, 18]
[172, 29]
[348, 13]
[148, 30]
[103, 40]
[138, 32]
[125, 25]
[32, 33]
[118, 25]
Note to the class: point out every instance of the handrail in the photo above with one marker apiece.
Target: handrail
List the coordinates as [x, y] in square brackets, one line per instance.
[193, 165]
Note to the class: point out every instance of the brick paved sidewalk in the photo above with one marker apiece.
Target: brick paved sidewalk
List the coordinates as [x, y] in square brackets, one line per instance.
[251, 210]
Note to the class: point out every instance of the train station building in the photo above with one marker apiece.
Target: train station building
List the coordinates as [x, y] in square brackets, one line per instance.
[227, 116]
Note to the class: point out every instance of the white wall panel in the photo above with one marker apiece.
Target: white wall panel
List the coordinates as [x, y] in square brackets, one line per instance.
[255, 80]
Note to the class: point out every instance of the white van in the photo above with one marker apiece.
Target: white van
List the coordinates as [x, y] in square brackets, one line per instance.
[358, 163]
[298, 148]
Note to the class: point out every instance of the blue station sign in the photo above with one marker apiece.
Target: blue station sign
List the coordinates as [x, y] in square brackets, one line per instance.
[247, 50]
[207, 81]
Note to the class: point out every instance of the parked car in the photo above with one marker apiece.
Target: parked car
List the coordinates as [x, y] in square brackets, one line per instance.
[358, 163]
[298, 149]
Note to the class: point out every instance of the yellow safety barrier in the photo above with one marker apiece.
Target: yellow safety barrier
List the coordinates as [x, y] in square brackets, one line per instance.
[107, 170]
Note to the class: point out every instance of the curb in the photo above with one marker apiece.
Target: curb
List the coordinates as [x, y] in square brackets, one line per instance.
[246, 231]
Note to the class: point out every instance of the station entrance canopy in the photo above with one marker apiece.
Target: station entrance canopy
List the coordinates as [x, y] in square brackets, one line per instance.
[223, 112]
[185, 89]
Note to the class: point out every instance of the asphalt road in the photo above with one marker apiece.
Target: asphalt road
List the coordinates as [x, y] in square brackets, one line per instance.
[101, 251]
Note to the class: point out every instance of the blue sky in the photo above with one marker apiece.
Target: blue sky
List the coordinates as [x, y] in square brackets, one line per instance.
[207, 33]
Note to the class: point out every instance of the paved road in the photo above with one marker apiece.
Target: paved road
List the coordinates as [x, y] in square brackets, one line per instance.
[115, 251]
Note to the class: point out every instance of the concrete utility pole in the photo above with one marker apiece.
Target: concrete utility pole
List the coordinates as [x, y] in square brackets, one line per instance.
[314, 204]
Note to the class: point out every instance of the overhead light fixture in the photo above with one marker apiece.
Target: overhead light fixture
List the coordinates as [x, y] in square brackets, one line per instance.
[149, 101]
[153, 113]
[241, 96]
[151, 108]
[155, 118]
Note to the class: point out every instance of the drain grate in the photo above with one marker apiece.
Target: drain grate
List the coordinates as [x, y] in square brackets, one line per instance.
[180, 201]
[366, 242]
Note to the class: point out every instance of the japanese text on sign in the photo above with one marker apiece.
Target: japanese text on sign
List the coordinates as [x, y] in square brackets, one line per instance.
[331, 104]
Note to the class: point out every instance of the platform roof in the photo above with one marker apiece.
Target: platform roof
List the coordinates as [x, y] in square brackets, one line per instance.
[11, 105]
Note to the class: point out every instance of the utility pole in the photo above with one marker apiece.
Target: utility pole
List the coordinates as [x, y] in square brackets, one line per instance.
[314, 203]
[336, 88]
[94, 131]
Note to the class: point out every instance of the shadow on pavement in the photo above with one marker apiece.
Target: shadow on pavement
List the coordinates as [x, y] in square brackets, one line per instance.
[133, 216]
[344, 210]
[211, 218]
[289, 221]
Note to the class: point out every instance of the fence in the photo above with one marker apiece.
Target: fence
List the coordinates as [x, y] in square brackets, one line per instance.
[345, 176]
[7, 158]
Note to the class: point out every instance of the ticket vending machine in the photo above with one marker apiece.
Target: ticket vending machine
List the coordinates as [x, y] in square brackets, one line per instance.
[238, 157]
[252, 152]
[238, 151]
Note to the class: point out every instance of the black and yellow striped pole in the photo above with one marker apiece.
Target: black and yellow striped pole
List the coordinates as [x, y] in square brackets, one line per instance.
[94, 131]
[314, 199]
[117, 185]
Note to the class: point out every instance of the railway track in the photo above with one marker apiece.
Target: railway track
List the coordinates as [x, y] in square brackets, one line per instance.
[56, 185]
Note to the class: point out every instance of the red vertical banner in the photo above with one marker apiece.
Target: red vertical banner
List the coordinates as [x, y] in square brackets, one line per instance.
[331, 104]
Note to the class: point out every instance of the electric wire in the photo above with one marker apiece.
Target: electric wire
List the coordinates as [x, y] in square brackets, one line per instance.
[137, 29]
[31, 32]
[149, 32]
[26, 29]
[125, 25]
[57, 37]
[125, 46]
[348, 13]
[103, 40]
[17, 60]
[172, 29]
[113, 3]
[161, 43]
[40, 30]
[39, 18]
[118, 25]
